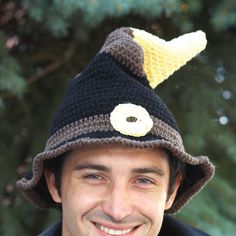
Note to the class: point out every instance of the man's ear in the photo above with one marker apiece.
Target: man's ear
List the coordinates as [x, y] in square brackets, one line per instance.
[51, 183]
[171, 198]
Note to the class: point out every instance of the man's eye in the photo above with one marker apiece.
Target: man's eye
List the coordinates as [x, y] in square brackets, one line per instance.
[92, 177]
[145, 181]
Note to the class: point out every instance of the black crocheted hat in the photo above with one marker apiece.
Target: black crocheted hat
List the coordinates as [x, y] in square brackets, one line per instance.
[113, 101]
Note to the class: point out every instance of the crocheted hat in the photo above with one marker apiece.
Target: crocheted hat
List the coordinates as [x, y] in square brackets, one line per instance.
[113, 101]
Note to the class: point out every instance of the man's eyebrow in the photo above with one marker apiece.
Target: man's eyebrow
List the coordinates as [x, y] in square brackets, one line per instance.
[146, 170]
[91, 166]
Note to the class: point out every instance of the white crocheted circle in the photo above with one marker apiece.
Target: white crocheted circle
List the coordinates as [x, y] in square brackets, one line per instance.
[130, 119]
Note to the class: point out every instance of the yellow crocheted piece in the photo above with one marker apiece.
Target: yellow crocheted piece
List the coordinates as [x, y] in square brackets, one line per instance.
[139, 127]
[162, 58]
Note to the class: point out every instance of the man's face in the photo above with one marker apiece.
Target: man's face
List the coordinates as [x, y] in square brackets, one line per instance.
[113, 190]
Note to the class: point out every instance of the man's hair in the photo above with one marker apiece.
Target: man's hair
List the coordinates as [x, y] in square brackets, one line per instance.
[55, 165]
[177, 169]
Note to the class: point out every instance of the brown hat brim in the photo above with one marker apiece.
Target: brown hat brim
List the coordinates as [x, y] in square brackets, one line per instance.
[199, 170]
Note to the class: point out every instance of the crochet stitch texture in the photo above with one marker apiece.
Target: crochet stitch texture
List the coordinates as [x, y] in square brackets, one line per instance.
[115, 76]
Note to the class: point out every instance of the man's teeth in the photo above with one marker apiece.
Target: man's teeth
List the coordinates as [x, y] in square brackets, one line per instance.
[112, 231]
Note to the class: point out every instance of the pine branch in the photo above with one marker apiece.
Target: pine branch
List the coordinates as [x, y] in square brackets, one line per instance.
[50, 68]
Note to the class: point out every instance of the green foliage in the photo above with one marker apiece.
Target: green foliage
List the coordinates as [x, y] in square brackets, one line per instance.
[37, 58]
[59, 15]
[224, 15]
[10, 78]
[212, 211]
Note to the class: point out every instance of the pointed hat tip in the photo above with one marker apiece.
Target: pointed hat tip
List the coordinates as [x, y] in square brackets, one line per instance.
[202, 37]
[162, 58]
[198, 37]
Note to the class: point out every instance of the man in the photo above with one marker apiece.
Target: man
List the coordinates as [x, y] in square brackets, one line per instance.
[114, 163]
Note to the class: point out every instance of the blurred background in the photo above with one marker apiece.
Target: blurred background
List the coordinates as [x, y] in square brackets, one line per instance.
[44, 44]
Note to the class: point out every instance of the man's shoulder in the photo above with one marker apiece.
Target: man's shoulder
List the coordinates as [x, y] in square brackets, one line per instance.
[54, 230]
[174, 227]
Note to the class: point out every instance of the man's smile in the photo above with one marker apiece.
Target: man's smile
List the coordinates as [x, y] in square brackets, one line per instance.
[115, 230]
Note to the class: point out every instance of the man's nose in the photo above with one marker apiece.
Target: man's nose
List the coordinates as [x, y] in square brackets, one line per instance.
[117, 203]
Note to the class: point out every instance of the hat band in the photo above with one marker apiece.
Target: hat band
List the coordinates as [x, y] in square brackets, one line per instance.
[102, 123]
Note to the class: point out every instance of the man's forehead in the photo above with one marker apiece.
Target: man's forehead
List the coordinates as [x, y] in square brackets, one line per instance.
[111, 154]
[117, 149]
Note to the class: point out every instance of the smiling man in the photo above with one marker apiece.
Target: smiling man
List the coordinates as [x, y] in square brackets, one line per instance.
[114, 163]
[115, 200]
